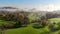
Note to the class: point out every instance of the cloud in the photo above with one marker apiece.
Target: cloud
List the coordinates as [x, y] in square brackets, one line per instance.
[48, 7]
[42, 7]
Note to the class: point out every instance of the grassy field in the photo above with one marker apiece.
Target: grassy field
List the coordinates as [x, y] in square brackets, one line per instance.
[2, 21]
[54, 20]
[5, 22]
[29, 29]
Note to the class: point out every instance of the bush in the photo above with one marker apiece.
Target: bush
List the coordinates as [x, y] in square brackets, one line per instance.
[59, 32]
[37, 26]
[53, 27]
[58, 23]
[24, 25]
[46, 32]
[18, 24]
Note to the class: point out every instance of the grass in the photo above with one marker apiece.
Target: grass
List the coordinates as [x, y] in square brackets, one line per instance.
[26, 30]
[5, 22]
[29, 29]
[55, 20]
[2, 21]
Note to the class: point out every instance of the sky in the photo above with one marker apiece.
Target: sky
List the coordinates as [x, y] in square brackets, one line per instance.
[45, 5]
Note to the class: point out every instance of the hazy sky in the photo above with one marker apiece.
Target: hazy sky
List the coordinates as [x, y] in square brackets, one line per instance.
[49, 5]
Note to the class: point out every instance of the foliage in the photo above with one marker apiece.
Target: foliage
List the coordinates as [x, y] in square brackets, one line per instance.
[53, 27]
[37, 26]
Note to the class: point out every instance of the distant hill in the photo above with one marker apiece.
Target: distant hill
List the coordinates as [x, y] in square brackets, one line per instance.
[8, 8]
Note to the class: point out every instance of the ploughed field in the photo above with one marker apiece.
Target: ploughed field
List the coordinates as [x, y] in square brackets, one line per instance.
[29, 29]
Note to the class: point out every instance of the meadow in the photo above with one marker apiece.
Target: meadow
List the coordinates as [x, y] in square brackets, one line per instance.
[29, 29]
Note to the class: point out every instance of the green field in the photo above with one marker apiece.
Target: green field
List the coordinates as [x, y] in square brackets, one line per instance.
[55, 20]
[26, 30]
[5, 22]
[29, 29]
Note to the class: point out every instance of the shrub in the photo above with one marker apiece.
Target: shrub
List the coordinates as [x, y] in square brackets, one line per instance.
[58, 23]
[24, 25]
[44, 22]
[59, 32]
[53, 27]
[46, 32]
[18, 24]
[37, 26]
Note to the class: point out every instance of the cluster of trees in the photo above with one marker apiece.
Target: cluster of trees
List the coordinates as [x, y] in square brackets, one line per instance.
[52, 15]
[22, 17]
[19, 17]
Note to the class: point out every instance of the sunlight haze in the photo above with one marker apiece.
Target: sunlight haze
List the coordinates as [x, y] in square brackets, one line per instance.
[43, 5]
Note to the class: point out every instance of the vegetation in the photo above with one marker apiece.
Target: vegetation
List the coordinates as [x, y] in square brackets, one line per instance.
[29, 23]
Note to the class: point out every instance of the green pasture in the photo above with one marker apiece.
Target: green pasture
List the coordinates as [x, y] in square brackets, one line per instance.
[29, 29]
